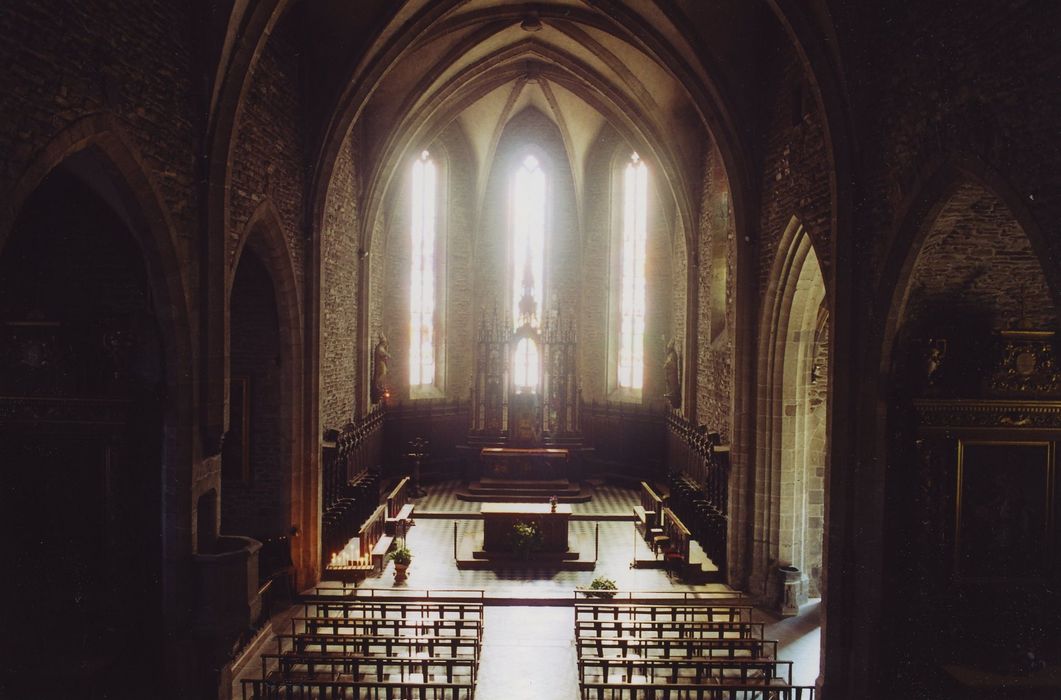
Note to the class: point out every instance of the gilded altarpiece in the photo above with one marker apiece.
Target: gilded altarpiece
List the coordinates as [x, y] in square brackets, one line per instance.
[987, 475]
[974, 505]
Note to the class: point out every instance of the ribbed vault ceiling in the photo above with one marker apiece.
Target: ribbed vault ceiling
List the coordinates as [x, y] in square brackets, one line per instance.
[406, 71]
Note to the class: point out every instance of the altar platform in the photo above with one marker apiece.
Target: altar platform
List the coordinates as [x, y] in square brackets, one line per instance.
[526, 475]
[557, 548]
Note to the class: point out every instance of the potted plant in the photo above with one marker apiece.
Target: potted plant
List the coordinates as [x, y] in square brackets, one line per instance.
[602, 587]
[525, 538]
[402, 556]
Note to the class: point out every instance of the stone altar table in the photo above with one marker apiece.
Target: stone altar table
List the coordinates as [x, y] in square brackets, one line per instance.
[498, 519]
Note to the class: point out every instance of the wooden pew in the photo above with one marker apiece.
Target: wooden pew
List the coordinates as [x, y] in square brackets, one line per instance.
[354, 592]
[436, 646]
[345, 688]
[382, 626]
[598, 669]
[637, 688]
[668, 629]
[368, 668]
[666, 648]
[690, 613]
[395, 609]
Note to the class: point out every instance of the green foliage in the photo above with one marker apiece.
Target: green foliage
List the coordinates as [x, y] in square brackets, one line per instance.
[525, 538]
[401, 555]
[605, 586]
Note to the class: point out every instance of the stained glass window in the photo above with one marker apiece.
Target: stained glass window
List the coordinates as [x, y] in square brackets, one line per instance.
[632, 275]
[422, 285]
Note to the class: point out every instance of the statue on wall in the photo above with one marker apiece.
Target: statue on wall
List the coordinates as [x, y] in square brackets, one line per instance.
[380, 358]
[672, 374]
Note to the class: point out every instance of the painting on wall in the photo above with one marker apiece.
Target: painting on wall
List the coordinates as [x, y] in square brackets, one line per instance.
[1004, 509]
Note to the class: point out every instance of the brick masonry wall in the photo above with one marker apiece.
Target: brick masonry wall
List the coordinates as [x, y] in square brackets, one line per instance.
[257, 507]
[977, 261]
[459, 330]
[795, 170]
[679, 264]
[716, 243]
[65, 60]
[938, 80]
[340, 302]
[268, 158]
[598, 220]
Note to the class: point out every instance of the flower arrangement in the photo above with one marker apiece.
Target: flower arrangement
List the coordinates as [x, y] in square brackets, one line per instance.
[602, 587]
[525, 538]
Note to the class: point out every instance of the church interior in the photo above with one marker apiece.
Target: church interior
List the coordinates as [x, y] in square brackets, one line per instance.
[560, 349]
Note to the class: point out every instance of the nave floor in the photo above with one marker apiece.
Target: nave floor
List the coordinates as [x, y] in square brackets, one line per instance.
[528, 650]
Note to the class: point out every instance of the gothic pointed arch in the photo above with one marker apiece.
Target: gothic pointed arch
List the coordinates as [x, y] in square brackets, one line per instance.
[793, 400]
[293, 492]
[121, 350]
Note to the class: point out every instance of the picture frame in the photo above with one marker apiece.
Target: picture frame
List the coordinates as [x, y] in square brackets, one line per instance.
[1004, 509]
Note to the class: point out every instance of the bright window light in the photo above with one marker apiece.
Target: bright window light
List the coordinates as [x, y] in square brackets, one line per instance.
[528, 232]
[422, 286]
[632, 276]
[526, 364]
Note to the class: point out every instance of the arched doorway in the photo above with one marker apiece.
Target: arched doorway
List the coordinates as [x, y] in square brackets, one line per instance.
[265, 491]
[790, 510]
[970, 278]
[255, 491]
[82, 373]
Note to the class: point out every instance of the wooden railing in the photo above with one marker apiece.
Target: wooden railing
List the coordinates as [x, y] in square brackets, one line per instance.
[679, 535]
[649, 512]
[397, 498]
[371, 532]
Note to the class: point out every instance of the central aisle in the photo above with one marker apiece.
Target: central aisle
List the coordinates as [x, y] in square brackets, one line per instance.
[528, 654]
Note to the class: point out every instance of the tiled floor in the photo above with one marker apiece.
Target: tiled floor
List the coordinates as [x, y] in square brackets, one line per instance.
[431, 542]
[607, 500]
[528, 650]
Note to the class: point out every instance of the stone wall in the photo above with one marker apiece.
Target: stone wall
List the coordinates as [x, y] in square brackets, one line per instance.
[128, 65]
[795, 171]
[715, 285]
[258, 505]
[977, 262]
[268, 158]
[973, 83]
[340, 305]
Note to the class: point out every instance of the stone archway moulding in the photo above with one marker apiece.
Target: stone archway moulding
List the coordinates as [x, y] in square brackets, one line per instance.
[264, 236]
[102, 136]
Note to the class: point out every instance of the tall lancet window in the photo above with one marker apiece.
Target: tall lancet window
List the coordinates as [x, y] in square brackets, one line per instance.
[422, 284]
[631, 362]
[528, 236]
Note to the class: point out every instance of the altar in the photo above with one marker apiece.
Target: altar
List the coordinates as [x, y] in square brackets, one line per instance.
[524, 463]
[499, 518]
